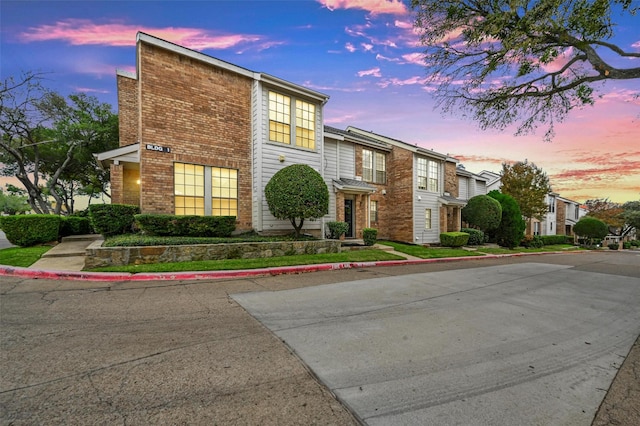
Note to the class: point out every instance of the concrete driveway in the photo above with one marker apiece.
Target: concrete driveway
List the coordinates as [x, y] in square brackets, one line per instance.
[520, 344]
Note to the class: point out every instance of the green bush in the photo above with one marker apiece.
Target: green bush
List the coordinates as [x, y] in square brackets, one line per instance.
[112, 219]
[550, 240]
[32, 229]
[534, 241]
[635, 243]
[613, 246]
[591, 228]
[370, 236]
[626, 245]
[482, 212]
[476, 236]
[454, 239]
[511, 230]
[337, 229]
[185, 226]
[75, 225]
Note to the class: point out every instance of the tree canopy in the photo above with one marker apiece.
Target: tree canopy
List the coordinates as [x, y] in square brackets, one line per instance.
[47, 141]
[511, 230]
[591, 228]
[524, 62]
[621, 219]
[482, 212]
[296, 193]
[528, 185]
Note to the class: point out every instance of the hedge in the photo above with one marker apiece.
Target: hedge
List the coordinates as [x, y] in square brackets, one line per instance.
[454, 239]
[476, 236]
[112, 219]
[32, 229]
[370, 236]
[75, 225]
[185, 226]
[549, 240]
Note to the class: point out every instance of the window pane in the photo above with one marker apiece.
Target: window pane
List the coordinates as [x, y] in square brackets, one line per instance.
[188, 189]
[224, 192]
[367, 165]
[305, 124]
[422, 173]
[279, 118]
[427, 219]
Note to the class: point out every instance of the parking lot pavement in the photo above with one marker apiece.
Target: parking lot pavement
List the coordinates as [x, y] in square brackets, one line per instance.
[529, 343]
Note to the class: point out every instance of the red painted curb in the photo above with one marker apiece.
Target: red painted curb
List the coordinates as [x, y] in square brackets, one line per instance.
[15, 271]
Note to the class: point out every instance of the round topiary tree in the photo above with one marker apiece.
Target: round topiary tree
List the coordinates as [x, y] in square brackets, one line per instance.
[511, 229]
[482, 212]
[591, 228]
[296, 193]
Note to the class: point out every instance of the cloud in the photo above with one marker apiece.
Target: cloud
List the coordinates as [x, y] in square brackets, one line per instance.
[375, 72]
[86, 32]
[375, 7]
[402, 82]
[350, 47]
[90, 90]
[481, 159]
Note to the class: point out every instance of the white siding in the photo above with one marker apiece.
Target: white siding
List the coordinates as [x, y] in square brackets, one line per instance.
[331, 172]
[347, 153]
[463, 191]
[428, 200]
[480, 187]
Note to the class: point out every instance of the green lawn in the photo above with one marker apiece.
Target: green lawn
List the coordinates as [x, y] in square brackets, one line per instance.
[22, 256]
[235, 264]
[429, 252]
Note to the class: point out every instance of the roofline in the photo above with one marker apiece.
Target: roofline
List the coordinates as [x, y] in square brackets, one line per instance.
[400, 144]
[258, 76]
[125, 73]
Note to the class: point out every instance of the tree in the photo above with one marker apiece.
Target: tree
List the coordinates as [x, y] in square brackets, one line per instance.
[47, 141]
[524, 62]
[619, 218]
[296, 193]
[591, 228]
[482, 212]
[528, 185]
[511, 230]
[12, 204]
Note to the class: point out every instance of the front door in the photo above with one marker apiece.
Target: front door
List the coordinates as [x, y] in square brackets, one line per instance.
[348, 217]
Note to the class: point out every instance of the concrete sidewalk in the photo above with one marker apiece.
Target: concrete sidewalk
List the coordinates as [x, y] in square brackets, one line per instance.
[68, 255]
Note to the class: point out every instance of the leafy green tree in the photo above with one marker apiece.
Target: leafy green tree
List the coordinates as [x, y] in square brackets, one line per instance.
[511, 230]
[482, 212]
[620, 218]
[13, 204]
[524, 62]
[591, 228]
[296, 193]
[46, 141]
[631, 215]
[528, 185]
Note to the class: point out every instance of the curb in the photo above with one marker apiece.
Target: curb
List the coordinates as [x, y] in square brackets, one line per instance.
[15, 271]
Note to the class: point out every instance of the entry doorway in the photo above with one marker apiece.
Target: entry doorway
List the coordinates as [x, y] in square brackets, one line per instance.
[348, 218]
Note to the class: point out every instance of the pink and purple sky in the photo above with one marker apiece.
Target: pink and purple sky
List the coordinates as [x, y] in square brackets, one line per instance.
[363, 53]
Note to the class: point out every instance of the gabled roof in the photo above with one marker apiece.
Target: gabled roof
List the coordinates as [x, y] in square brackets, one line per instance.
[448, 200]
[124, 154]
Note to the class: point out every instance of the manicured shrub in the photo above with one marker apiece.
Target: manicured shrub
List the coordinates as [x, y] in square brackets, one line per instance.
[532, 241]
[549, 240]
[185, 226]
[635, 243]
[476, 236]
[112, 219]
[337, 229]
[626, 245]
[29, 230]
[613, 246]
[591, 228]
[296, 193]
[482, 212]
[370, 236]
[454, 239]
[511, 230]
[74, 225]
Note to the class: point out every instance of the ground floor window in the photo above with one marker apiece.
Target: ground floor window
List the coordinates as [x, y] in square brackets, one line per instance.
[374, 211]
[427, 219]
[204, 190]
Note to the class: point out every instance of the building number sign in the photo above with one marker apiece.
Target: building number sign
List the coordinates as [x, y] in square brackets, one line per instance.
[152, 147]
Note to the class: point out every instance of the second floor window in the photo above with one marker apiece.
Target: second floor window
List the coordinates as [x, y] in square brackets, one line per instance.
[282, 121]
[374, 211]
[428, 175]
[374, 168]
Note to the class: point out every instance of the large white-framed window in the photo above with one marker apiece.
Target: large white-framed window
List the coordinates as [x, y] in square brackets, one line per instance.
[434, 176]
[421, 170]
[205, 190]
[427, 218]
[292, 121]
[374, 167]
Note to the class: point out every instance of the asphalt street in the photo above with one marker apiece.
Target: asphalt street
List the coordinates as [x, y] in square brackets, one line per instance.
[518, 340]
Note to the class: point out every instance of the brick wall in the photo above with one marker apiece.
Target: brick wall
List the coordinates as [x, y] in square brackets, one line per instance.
[398, 215]
[451, 179]
[116, 177]
[128, 110]
[561, 217]
[203, 114]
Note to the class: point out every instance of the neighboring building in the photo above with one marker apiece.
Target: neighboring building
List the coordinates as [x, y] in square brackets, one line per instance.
[494, 180]
[470, 184]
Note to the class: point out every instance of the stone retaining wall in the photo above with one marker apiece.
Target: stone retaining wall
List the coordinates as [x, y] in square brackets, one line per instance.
[97, 257]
